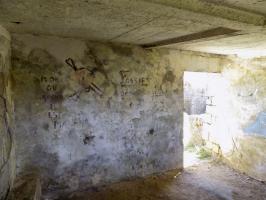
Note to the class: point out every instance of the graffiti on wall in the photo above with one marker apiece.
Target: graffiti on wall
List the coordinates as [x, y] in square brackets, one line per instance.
[127, 80]
[52, 94]
[50, 88]
[51, 97]
[157, 92]
[85, 78]
[130, 83]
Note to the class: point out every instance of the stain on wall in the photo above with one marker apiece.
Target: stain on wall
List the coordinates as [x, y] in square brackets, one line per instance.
[91, 113]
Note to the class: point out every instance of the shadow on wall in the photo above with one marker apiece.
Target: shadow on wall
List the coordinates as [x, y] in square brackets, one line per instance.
[257, 128]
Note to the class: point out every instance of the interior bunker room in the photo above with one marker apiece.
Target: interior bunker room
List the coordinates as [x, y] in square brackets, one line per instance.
[132, 100]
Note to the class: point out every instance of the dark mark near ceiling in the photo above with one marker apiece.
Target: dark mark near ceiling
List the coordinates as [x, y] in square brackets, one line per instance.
[219, 32]
[16, 22]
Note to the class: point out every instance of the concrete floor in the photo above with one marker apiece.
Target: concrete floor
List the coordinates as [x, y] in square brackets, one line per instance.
[207, 181]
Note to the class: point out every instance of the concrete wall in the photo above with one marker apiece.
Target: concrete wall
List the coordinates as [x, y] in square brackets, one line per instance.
[237, 127]
[7, 158]
[247, 80]
[89, 113]
[234, 123]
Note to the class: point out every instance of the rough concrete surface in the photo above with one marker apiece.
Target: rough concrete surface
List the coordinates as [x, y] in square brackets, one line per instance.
[204, 182]
[141, 21]
[26, 187]
[86, 114]
[255, 6]
[7, 158]
[90, 113]
[237, 118]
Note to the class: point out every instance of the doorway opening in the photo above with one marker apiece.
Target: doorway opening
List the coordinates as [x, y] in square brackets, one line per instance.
[201, 114]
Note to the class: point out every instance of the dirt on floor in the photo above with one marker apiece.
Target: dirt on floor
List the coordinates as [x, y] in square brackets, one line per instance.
[207, 181]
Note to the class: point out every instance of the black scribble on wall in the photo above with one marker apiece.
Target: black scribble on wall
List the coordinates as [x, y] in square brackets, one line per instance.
[7, 126]
[151, 131]
[72, 64]
[99, 63]
[88, 139]
[86, 84]
[127, 80]
[92, 87]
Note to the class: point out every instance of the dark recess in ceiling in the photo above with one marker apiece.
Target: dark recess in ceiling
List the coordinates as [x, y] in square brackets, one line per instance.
[215, 32]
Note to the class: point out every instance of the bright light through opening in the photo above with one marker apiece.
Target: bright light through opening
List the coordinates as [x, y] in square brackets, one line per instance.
[205, 106]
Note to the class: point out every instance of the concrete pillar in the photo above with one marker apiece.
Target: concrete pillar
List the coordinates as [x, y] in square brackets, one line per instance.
[7, 157]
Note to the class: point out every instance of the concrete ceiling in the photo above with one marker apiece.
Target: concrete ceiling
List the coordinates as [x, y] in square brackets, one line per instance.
[189, 24]
[255, 6]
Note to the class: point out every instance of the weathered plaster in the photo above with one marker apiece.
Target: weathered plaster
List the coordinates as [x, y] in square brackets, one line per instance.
[240, 117]
[90, 113]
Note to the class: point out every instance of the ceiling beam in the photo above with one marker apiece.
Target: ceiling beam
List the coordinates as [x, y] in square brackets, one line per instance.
[215, 33]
